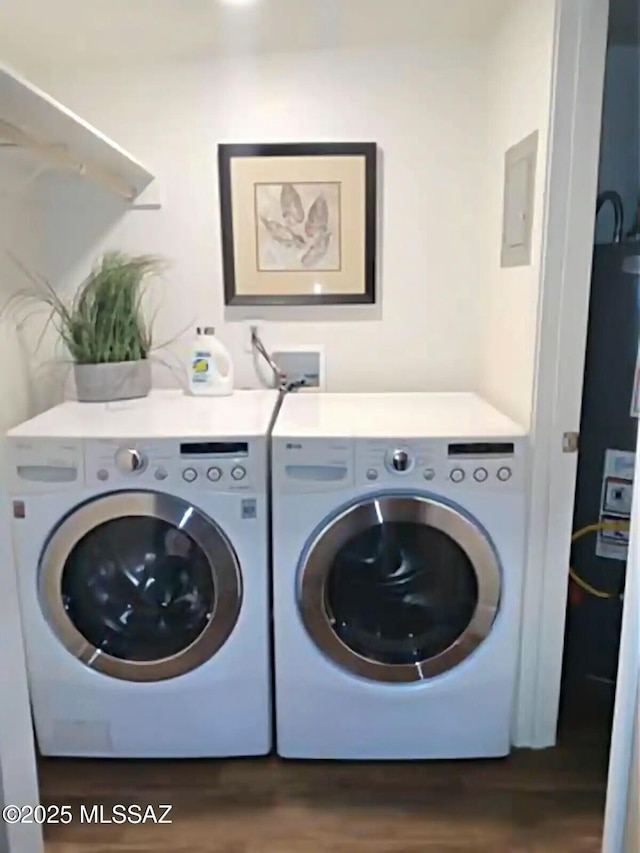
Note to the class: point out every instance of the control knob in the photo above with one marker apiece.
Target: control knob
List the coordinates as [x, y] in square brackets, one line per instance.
[400, 460]
[129, 461]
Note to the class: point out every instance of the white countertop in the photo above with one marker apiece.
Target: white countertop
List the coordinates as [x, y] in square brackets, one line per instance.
[392, 415]
[163, 414]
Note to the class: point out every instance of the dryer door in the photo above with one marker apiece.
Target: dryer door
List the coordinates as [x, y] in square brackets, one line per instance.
[140, 586]
[399, 588]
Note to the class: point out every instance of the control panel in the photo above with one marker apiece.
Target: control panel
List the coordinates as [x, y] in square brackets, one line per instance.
[324, 465]
[220, 466]
[436, 463]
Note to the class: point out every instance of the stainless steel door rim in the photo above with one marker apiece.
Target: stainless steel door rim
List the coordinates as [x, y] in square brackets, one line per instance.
[173, 511]
[372, 512]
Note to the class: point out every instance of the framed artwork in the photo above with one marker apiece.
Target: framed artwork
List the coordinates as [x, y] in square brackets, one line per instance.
[298, 223]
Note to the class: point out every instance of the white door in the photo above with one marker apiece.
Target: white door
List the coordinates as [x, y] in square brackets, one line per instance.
[622, 816]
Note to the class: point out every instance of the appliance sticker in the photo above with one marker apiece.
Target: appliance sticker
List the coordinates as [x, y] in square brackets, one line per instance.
[249, 508]
[615, 504]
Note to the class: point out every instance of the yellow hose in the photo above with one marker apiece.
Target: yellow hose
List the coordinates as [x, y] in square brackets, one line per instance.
[595, 528]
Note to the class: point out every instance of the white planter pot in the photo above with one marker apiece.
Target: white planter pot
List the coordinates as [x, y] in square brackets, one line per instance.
[118, 380]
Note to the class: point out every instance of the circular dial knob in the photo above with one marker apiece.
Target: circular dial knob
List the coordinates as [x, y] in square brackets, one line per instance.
[129, 461]
[400, 460]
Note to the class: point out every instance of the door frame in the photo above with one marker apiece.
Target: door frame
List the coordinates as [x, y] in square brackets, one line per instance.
[580, 44]
[18, 773]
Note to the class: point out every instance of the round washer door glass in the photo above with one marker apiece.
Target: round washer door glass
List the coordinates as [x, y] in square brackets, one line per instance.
[140, 585]
[399, 588]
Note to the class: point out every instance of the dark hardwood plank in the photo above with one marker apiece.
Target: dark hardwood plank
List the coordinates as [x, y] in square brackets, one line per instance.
[532, 802]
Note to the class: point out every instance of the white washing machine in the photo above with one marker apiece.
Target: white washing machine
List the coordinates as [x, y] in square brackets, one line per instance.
[141, 538]
[398, 551]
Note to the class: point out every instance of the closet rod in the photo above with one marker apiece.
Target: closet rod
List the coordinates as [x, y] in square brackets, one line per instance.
[59, 157]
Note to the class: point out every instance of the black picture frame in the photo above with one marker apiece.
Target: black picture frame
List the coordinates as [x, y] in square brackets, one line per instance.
[227, 152]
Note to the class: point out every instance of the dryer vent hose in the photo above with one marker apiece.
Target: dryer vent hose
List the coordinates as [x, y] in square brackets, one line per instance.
[595, 528]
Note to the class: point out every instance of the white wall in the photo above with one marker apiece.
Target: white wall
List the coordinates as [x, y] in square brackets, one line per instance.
[520, 100]
[620, 146]
[18, 236]
[443, 115]
[427, 111]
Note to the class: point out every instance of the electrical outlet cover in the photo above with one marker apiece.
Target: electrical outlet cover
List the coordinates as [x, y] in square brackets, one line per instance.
[298, 362]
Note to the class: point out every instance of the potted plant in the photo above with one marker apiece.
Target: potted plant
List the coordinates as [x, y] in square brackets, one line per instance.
[103, 326]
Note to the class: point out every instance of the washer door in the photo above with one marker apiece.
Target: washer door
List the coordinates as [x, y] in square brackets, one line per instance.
[140, 586]
[399, 588]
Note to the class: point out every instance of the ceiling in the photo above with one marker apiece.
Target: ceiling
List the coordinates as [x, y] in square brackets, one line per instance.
[100, 33]
[624, 22]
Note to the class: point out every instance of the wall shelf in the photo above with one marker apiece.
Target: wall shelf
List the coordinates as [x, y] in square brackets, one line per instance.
[34, 123]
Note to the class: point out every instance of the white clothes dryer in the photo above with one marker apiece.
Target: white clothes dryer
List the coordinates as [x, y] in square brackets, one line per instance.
[398, 551]
[140, 533]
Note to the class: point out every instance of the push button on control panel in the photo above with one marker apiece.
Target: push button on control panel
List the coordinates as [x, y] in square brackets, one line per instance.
[372, 474]
[238, 473]
[190, 475]
[161, 474]
[214, 474]
[480, 475]
[429, 474]
[504, 474]
[457, 475]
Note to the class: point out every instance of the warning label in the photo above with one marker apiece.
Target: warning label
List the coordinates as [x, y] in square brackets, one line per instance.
[615, 504]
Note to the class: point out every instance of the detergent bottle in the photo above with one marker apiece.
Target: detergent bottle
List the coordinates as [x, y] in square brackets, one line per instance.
[210, 365]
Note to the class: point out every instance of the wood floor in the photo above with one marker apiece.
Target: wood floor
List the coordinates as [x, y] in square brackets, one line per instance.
[532, 802]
